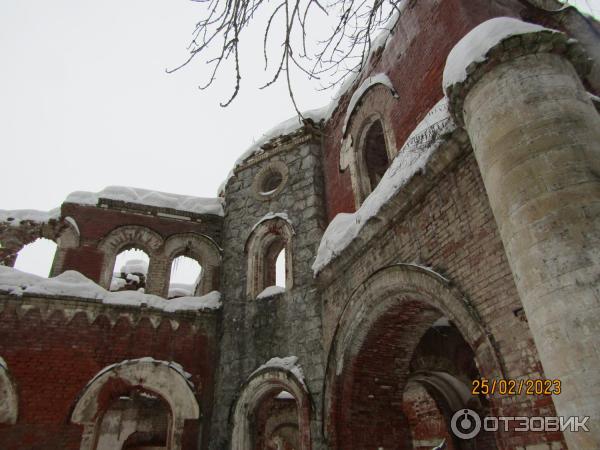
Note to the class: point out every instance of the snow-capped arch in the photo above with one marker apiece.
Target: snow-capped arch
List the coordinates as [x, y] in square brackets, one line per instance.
[165, 379]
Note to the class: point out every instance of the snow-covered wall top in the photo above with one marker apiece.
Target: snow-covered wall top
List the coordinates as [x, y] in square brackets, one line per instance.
[74, 284]
[473, 48]
[198, 205]
[294, 123]
[15, 217]
[411, 159]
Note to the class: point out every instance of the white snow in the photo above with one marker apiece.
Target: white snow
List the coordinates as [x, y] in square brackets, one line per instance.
[272, 215]
[117, 283]
[411, 159]
[73, 223]
[74, 284]
[325, 112]
[270, 291]
[368, 83]
[289, 364]
[284, 128]
[198, 205]
[284, 395]
[181, 290]
[475, 45]
[135, 266]
[15, 217]
[131, 277]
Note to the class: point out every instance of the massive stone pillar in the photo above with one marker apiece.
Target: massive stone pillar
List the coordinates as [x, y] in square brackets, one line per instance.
[536, 137]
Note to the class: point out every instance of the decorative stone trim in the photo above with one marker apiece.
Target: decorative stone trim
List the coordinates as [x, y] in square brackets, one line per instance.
[9, 405]
[273, 168]
[263, 245]
[509, 48]
[160, 377]
[260, 384]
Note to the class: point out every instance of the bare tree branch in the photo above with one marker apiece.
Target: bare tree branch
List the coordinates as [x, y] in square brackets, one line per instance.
[345, 51]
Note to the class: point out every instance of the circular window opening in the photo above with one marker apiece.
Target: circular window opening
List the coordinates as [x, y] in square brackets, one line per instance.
[271, 182]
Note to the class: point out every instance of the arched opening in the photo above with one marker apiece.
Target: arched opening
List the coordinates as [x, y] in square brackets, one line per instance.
[375, 154]
[142, 419]
[272, 412]
[138, 404]
[37, 257]
[274, 422]
[130, 270]
[186, 275]
[400, 363]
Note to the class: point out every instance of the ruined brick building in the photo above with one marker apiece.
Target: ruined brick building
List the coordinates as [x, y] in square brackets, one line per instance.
[440, 223]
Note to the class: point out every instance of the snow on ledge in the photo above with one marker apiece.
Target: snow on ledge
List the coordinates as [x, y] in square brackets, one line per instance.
[198, 205]
[474, 46]
[272, 215]
[270, 291]
[411, 159]
[74, 284]
[288, 364]
[15, 217]
[368, 83]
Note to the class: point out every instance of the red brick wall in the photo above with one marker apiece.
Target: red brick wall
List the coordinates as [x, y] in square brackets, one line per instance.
[415, 65]
[452, 230]
[52, 359]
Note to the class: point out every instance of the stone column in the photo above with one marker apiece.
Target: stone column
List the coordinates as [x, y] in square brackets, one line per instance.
[536, 138]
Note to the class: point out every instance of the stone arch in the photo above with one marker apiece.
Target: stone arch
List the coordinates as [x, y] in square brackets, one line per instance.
[162, 378]
[263, 245]
[424, 297]
[201, 248]
[375, 107]
[260, 384]
[68, 238]
[9, 406]
[129, 236]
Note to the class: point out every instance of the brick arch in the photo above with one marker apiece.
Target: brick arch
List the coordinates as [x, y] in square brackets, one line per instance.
[129, 236]
[263, 382]
[158, 377]
[266, 239]
[384, 319]
[200, 248]
[9, 406]
[376, 104]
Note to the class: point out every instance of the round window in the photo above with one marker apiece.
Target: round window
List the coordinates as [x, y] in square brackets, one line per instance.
[270, 180]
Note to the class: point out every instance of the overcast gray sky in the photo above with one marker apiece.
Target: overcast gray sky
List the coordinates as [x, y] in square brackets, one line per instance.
[86, 102]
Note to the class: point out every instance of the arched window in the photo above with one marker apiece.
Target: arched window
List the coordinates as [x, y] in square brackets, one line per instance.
[272, 412]
[130, 271]
[132, 237]
[375, 154]
[269, 250]
[186, 276]
[36, 257]
[193, 265]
